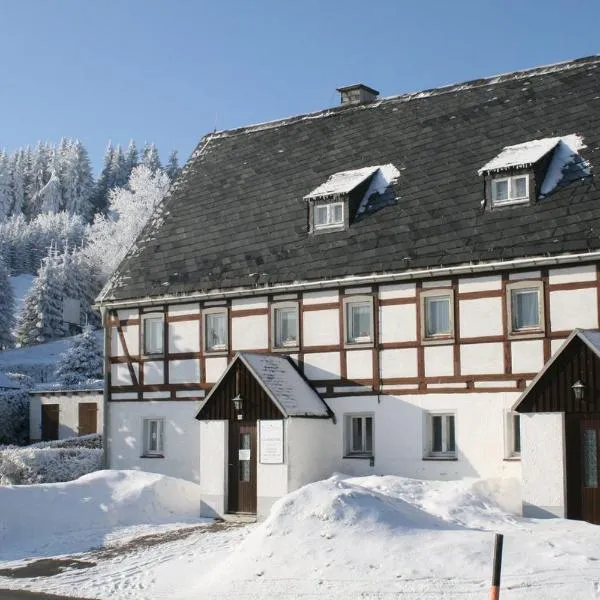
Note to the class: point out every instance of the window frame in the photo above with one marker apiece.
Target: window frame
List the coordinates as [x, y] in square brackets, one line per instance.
[510, 437]
[441, 338]
[348, 432]
[149, 317]
[284, 306]
[147, 451]
[521, 285]
[330, 209]
[444, 454]
[219, 348]
[509, 200]
[360, 340]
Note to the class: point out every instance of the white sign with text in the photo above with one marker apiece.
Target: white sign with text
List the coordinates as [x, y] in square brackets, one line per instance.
[271, 442]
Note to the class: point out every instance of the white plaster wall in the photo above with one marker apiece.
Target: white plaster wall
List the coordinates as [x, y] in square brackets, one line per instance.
[322, 365]
[556, 344]
[213, 449]
[184, 309]
[215, 367]
[154, 372]
[184, 371]
[120, 373]
[480, 317]
[123, 314]
[572, 274]
[398, 323]
[401, 362]
[543, 463]
[397, 290]
[573, 308]
[525, 275]
[184, 336]
[479, 284]
[321, 327]
[131, 334]
[481, 358]
[68, 412]
[249, 303]
[359, 364]
[439, 360]
[125, 444]
[527, 356]
[249, 333]
[320, 297]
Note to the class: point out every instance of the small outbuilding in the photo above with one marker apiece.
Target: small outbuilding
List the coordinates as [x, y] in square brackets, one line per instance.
[560, 433]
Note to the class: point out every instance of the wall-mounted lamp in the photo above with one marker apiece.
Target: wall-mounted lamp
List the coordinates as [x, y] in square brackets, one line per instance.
[578, 390]
[238, 404]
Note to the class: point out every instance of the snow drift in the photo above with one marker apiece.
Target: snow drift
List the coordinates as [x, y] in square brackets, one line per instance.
[58, 518]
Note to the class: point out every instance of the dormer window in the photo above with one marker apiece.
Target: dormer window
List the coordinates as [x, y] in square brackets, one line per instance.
[509, 190]
[328, 215]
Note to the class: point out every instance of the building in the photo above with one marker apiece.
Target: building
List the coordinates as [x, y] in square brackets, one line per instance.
[367, 289]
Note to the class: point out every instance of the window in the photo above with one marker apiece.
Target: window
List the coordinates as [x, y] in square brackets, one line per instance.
[442, 439]
[215, 330]
[153, 334]
[513, 435]
[328, 215]
[510, 189]
[526, 314]
[437, 307]
[359, 321]
[359, 435]
[154, 437]
[285, 326]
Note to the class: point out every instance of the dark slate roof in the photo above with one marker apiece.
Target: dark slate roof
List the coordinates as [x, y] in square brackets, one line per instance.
[236, 216]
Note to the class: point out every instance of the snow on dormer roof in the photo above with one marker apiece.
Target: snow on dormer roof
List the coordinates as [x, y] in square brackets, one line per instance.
[520, 155]
[342, 183]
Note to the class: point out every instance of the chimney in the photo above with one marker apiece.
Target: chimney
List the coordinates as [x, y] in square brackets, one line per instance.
[357, 94]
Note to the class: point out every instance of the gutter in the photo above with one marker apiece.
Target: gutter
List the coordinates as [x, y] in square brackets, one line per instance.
[465, 269]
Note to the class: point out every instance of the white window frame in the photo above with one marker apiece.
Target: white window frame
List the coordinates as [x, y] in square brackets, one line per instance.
[219, 348]
[151, 317]
[363, 453]
[330, 223]
[510, 435]
[284, 345]
[439, 338]
[509, 200]
[147, 449]
[523, 286]
[359, 340]
[445, 453]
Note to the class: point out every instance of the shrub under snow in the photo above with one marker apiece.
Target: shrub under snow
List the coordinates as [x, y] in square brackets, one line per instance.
[14, 416]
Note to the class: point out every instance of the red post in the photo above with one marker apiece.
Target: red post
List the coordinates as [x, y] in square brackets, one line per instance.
[495, 590]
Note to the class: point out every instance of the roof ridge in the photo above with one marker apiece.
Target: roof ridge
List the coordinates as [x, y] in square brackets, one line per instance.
[408, 96]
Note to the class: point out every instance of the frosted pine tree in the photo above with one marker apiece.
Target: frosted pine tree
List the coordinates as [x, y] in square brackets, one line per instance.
[7, 309]
[120, 172]
[5, 187]
[19, 168]
[49, 198]
[172, 169]
[39, 175]
[150, 157]
[105, 181]
[76, 178]
[83, 361]
[131, 157]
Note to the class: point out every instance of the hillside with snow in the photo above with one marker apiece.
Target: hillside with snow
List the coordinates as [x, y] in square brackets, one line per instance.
[342, 538]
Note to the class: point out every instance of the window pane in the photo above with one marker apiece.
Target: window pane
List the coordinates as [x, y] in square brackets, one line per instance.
[320, 214]
[437, 316]
[359, 321]
[450, 441]
[517, 434]
[500, 190]
[525, 309]
[153, 436]
[286, 327]
[216, 331]
[368, 434]
[518, 188]
[244, 470]
[357, 429]
[590, 458]
[337, 213]
[153, 335]
[436, 445]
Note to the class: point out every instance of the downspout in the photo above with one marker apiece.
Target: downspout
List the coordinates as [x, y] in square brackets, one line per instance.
[105, 403]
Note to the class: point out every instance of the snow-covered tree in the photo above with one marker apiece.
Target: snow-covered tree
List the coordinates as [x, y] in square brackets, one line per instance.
[131, 157]
[82, 361]
[14, 417]
[150, 157]
[172, 169]
[75, 174]
[105, 180]
[49, 198]
[7, 309]
[5, 187]
[111, 235]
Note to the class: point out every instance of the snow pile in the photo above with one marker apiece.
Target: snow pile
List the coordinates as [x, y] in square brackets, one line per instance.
[29, 465]
[51, 519]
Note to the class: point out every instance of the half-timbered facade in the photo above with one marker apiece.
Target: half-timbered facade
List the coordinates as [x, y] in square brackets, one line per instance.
[418, 259]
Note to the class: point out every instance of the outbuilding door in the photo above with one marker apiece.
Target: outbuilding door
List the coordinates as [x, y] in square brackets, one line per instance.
[242, 467]
[590, 474]
[49, 422]
[88, 421]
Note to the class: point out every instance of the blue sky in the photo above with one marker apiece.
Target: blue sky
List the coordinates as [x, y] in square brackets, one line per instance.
[167, 71]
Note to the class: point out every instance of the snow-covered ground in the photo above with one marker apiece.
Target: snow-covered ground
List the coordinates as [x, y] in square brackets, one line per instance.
[343, 538]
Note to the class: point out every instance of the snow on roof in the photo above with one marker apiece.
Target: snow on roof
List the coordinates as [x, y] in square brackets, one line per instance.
[566, 153]
[284, 384]
[92, 385]
[520, 155]
[342, 183]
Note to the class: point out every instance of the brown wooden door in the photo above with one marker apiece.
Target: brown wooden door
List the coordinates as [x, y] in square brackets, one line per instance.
[242, 467]
[88, 420]
[49, 422]
[590, 473]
